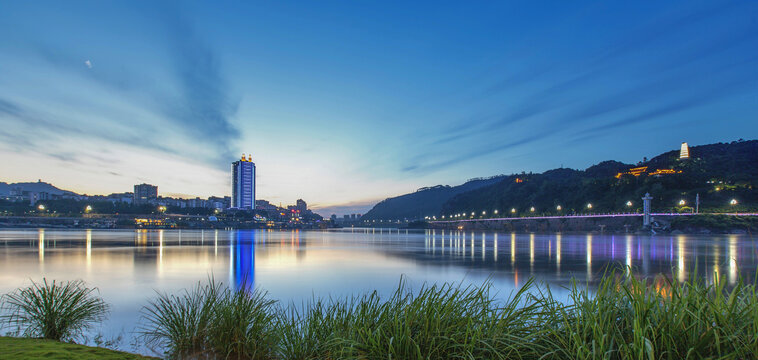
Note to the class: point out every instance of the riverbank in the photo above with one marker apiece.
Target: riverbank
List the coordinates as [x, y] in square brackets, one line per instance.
[23, 348]
[611, 223]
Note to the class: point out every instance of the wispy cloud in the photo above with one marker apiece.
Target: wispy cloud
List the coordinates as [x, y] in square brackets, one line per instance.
[619, 86]
[193, 101]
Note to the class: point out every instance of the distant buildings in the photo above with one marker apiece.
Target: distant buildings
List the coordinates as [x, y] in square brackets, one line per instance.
[145, 193]
[347, 219]
[243, 183]
[300, 205]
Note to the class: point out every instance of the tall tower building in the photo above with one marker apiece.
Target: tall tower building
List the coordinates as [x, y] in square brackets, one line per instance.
[243, 183]
[145, 193]
[301, 205]
[684, 153]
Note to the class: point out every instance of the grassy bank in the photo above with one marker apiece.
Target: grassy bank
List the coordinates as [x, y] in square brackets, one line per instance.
[623, 318]
[24, 348]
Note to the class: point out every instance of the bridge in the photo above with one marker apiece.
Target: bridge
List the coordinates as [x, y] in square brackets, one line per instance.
[587, 216]
[615, 222]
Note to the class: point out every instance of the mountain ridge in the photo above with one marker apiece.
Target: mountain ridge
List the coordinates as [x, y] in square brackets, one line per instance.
[607, 186]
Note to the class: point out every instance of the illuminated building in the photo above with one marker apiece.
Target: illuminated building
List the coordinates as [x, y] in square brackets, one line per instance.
[660, 172]
[145, 193]
[684, 153]
[643, 170]
[633, 171]
[243, 183]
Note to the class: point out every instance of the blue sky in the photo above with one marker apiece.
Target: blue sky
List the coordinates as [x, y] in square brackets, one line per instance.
[345, 103]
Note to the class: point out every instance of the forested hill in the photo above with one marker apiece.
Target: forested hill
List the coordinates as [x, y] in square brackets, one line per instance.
[719, 173]
[424, 201]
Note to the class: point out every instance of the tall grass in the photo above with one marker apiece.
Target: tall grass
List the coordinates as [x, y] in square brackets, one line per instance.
[628, 318]
[623, 318]
[211, 321]
[56, 311]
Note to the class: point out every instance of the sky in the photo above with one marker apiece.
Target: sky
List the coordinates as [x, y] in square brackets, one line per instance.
[346, 103]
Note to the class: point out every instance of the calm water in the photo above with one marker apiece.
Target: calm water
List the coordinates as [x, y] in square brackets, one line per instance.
[129, 266]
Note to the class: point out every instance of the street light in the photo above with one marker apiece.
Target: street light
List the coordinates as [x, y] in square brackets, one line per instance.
[484, 213]
[558, 208]
[531, 209]
[589, 206]
[629, 203]
[41, 207]
[88, 209]
[733, 202]
[682, 202]
[162, 208]
[513, 211]
[495, 212]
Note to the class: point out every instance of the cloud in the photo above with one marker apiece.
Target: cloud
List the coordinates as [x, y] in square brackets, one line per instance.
[190, 108]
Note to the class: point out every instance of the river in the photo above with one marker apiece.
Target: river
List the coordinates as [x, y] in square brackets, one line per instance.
[129, 266]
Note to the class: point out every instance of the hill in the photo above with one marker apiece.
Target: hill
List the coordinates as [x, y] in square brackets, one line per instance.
[39, 186]
[716, 173]
[428, 200]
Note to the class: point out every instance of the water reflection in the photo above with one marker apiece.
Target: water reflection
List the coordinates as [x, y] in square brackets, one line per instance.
[243, 255]
[128, 266]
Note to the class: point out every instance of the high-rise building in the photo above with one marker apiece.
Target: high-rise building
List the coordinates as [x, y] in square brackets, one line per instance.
[243, 183]
[301, 205]
[684, 153]
[145, 193]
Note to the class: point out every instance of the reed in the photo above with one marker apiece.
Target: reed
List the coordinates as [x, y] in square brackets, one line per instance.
[211, 321]
[179, 324]
[623, 318]
[56, 310]
[629, 318]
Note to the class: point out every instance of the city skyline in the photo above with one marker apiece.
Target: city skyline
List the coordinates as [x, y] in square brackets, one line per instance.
[412, 95]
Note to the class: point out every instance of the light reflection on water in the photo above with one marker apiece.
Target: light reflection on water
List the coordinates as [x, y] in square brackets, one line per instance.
[128, 266]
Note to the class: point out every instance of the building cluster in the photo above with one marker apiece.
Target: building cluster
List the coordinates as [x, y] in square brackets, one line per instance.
[148, 194]
[292, 214]
[242, 200]
[350, 219]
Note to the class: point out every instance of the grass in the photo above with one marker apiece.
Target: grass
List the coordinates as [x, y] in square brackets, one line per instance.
[623, 318]
[24, 348]
[55, 311]
[212, 321]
